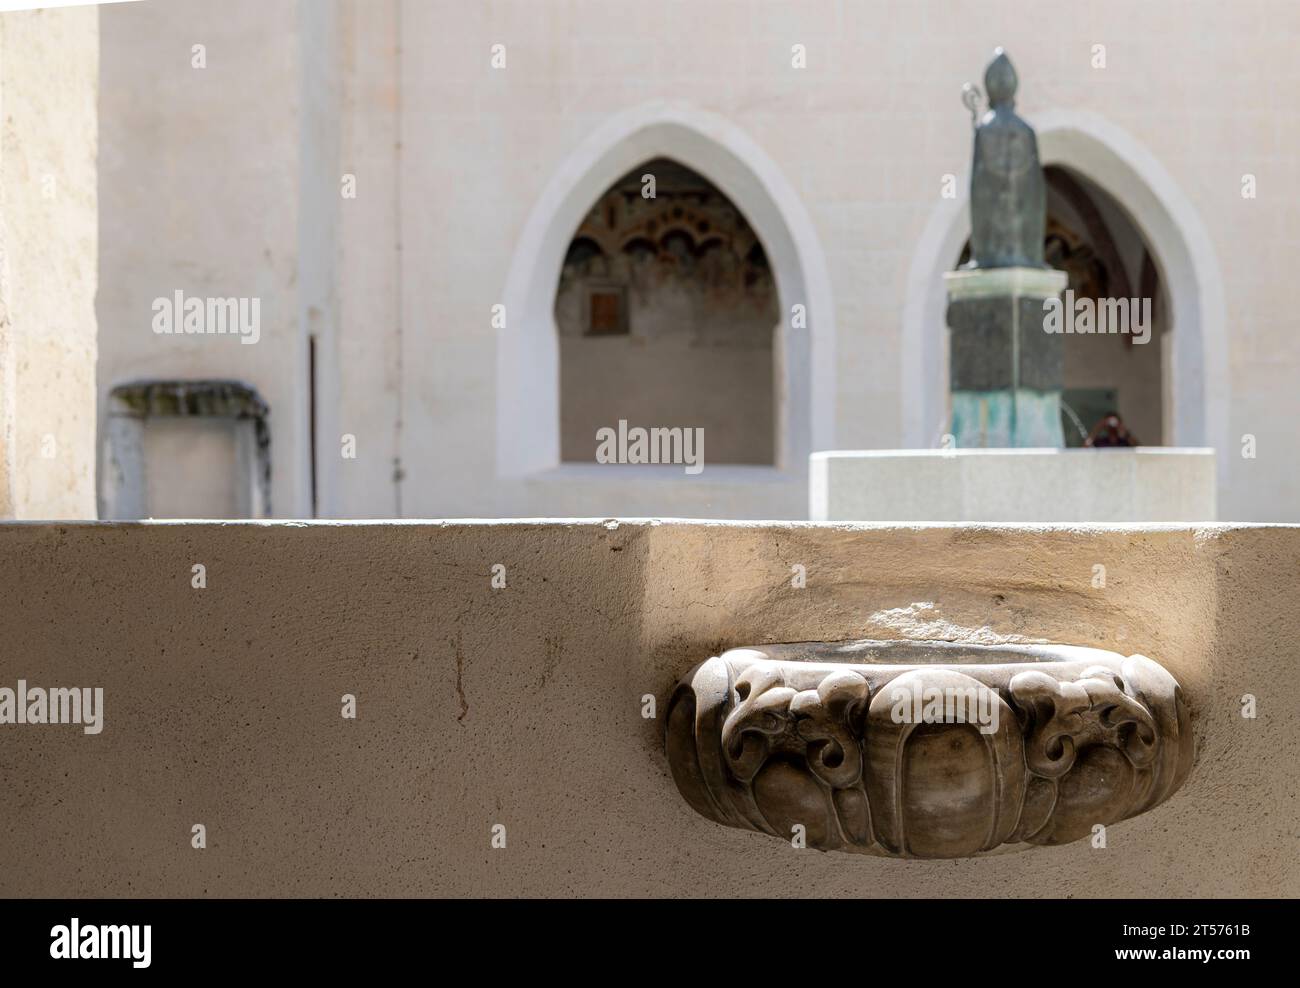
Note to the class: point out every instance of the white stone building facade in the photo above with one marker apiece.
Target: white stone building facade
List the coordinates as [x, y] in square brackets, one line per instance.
[412, 324]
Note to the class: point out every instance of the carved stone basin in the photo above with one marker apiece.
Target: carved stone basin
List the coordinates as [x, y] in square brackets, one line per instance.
[927, 749]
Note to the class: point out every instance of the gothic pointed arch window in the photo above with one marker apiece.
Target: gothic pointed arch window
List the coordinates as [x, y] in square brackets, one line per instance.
[666, 310]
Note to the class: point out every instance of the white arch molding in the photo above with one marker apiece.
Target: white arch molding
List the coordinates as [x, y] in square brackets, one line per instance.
[1196, 377]
[528, 363]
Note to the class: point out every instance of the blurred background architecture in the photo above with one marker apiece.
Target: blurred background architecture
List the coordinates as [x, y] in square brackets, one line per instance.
[440, 211]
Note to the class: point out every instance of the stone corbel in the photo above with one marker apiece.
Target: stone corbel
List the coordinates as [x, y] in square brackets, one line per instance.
[927, 749]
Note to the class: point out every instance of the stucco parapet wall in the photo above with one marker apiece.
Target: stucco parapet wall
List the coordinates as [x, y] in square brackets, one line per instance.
[523, 706]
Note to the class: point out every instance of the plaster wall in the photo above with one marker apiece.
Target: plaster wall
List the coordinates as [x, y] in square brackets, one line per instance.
[522, 706]
[201, 174]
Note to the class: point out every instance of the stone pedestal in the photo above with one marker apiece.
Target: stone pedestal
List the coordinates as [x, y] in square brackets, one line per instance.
[1145, 484]
[1006, 372]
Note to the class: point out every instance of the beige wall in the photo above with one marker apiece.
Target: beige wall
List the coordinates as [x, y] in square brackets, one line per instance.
[451, 156]
[522, 706]
[725, 391]
[49, 67]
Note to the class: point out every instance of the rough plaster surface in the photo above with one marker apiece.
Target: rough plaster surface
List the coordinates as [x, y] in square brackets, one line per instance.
[521, 706]
[49, 81]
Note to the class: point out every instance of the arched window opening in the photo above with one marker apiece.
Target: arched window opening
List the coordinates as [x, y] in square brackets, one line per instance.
[1109, 371]
[666, 310]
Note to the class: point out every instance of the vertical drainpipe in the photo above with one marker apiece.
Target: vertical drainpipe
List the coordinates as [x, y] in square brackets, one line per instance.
[315, 415]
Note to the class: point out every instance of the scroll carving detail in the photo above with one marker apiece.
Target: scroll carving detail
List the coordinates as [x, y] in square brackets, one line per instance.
[929, 750]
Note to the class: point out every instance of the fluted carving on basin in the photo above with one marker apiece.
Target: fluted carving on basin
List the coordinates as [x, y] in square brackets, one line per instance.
[929, 750]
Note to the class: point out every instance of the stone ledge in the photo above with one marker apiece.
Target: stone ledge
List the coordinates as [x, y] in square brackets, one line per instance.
[523, 706]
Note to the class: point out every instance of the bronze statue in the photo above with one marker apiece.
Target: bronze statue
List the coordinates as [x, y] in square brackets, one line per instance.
[1008, 195]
